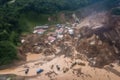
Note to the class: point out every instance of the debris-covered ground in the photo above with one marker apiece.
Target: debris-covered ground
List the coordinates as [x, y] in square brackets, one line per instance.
[87, 49]
[92, 38]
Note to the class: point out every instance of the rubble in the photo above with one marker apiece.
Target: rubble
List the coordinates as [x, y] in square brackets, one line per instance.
[49, 51]
[51, 39]
[98, 55]
[39, 31]
[89, 44]
[51, 74]
[98, 43]
[77, 72]
[77, 63]
[65, 70]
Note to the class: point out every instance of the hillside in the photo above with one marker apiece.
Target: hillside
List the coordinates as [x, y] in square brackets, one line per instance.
[19, 17]
[68, 42]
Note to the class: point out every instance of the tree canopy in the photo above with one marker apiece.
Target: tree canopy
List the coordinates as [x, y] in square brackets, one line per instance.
[50, 6]
[7, 52]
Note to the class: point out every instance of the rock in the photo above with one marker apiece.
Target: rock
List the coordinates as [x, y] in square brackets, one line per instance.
[22, 41]
[77, 72]
[65, 70]
[92, 62]
[58, 68]
[82, 64]
[37, 49]
[92, 43]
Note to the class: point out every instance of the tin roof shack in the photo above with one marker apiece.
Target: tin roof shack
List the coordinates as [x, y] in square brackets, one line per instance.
[59, 31]
[51, 39]
[40, 29]
[60, 25]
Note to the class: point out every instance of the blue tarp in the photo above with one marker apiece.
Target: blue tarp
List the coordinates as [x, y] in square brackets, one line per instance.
[39, 71]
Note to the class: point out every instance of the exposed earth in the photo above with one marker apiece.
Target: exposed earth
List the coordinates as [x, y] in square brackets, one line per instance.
[83, 49]
[68, 71]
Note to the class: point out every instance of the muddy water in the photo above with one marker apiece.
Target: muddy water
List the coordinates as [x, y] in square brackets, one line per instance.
[87, 72]
[31, 57]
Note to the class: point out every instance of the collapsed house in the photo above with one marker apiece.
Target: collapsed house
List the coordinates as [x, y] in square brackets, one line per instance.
[97, 42]
[40, 29]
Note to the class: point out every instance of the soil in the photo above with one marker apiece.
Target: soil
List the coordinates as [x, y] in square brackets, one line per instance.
[91, 53]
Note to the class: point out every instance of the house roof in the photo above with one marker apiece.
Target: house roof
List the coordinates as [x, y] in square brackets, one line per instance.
[40, 27]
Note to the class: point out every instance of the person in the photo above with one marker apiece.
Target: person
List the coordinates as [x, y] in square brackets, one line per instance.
[26, 71]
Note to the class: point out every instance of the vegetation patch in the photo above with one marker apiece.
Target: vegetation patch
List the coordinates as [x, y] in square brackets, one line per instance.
[8, 52]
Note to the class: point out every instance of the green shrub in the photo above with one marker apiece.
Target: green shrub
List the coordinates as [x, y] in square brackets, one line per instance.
[8, 52]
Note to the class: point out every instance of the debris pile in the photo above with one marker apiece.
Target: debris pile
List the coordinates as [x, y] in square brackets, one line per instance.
[98, 53]
[98, 43]
[34, 43]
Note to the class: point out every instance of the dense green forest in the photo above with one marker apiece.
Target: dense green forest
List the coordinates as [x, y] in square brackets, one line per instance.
[11, 25]
[50, 6]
